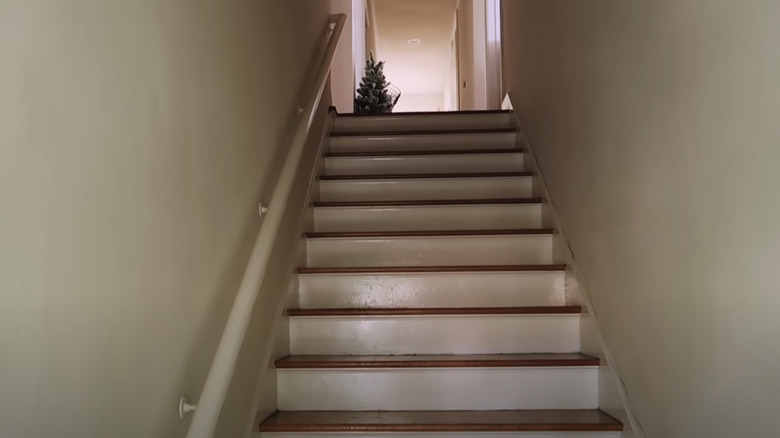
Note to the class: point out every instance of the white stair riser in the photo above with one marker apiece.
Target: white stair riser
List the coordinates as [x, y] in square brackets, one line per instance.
[426, 188]
[456, 289]
[430, 251]
[455, 334]
[446, 435]
[365, 143]
[410, 164]
[425, 218]
[417, 122]
[438, 389]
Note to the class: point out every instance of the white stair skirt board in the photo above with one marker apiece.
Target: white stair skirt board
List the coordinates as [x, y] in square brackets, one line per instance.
[419, 122]
[411, 164]
[426, 188]
[430, 251]
[450, 289]
[438, 389]
[434, 334]
[423, 142]
[426, 218]
[445, 435]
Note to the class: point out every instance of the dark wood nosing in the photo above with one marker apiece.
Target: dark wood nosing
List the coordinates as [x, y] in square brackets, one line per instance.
[436, 233]
[443, 421]
[431, 269]
[425, 113]
[438, 361]
[418, 132]
[425, 202]
[425, 311]
[427, 176]
[396, 153]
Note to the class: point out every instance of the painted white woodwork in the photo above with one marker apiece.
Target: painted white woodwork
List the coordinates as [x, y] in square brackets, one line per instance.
[430, 251]
[423, 142]
[434, 217]
[439, 334]
[422, 122]
[373, 189]
[511, 161]
[451, 289]
[438, 389]
[447, 435]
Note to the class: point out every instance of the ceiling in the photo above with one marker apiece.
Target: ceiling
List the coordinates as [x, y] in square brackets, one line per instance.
[421, 68]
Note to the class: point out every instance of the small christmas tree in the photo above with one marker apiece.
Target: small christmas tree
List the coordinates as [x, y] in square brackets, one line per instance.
[374, 96]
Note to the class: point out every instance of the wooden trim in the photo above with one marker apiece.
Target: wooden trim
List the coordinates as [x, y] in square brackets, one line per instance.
[442, 233]
[433, 311]
[419, 132]
[443, 421]
[422, 152]
[438, 361]
[425, 202]
[432, 269]
[426, 113]
[427, 176]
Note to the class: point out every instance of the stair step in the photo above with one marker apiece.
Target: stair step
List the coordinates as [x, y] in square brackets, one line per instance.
[443, 422]
[429, 202]
[402, 331]
[426, 176]
[509, 380]
[434, 269]
[414, 132]
[428, 141]
[431, 250]
[430, 233]
[442, 121]
[430, 311]
[438, 361]
[421, 152]
[438, 388]
[424, 161]
[427, 187]
[333, 218]
[423, 289]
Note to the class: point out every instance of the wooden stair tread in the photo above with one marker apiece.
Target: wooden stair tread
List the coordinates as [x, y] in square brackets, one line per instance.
[438, 361]
[426, 176]
[424, 202]
[419, 269]
[434, 233]
[421, 152]
[432, 311]
[443, 421]
[398, 133]
[422, 113]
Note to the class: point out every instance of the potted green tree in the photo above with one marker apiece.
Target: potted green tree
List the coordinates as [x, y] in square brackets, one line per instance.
[375, 95]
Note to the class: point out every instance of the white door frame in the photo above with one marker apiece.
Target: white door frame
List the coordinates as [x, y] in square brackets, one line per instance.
[493, 53]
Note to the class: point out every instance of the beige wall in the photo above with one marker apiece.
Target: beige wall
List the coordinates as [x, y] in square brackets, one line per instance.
[343, 73]
[419, 102]
[136, 139]
[656, 127]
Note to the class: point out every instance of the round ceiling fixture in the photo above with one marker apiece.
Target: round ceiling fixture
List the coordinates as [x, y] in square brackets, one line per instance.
[414, 41]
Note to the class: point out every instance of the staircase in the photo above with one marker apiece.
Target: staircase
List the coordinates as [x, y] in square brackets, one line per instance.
[431, 304]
